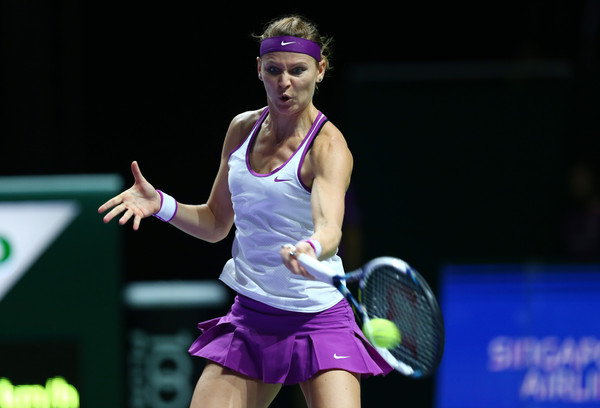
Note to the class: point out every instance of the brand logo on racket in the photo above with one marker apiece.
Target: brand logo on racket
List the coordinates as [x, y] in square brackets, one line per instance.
[339, 357]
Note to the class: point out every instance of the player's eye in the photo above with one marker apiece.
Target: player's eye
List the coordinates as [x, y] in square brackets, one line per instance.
[273, 70]
[298, 71]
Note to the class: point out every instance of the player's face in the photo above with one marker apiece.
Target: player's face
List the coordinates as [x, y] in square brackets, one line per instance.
[290, 79]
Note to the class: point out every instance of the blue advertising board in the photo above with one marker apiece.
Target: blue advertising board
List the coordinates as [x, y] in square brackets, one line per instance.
[520, 336]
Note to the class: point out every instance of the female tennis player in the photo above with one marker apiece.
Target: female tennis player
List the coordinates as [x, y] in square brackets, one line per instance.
[282, 178]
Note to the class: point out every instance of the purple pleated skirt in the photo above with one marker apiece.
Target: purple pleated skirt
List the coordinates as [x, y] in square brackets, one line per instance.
[277, 346]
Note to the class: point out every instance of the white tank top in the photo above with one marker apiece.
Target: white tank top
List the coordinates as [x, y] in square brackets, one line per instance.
[272, 210]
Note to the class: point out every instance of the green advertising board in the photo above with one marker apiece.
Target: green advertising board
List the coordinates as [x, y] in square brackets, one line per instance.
[61, 324]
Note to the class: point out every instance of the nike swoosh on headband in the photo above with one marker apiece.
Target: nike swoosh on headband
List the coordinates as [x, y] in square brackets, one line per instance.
[283, 43]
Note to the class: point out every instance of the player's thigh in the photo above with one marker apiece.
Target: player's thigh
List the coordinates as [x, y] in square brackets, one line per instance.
[219, 387]
[332, 389]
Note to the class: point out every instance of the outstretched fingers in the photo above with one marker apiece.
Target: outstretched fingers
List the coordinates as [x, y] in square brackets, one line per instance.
[137, 173]
[136, 222]
[134, 204]
[116, 210]
[131, 213]
[110, 203]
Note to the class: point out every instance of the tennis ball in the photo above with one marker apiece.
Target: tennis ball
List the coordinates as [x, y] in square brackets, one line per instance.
[382, 333]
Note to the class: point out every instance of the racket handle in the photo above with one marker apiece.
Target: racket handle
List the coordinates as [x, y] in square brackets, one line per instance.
[317, 268]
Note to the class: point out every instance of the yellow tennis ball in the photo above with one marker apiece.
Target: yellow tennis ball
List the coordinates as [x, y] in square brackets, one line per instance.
[382, 333]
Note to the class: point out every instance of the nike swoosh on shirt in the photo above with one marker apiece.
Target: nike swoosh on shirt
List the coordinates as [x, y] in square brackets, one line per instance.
[339, 357]
[278, 180]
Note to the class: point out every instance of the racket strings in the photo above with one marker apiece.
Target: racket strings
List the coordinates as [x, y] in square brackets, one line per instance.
[391, 294]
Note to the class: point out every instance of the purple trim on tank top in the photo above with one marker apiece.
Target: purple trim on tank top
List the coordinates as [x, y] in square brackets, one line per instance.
[254, 134]
[316, 129]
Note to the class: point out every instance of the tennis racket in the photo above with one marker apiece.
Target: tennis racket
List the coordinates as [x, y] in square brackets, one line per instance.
[389, 288]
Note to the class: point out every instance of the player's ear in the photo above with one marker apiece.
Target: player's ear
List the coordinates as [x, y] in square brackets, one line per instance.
[259, 68]
[322, 68]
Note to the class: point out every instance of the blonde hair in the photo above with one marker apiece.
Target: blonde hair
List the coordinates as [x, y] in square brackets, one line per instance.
[298, 26]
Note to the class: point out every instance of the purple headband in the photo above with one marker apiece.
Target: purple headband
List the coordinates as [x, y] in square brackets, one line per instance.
[290, 44]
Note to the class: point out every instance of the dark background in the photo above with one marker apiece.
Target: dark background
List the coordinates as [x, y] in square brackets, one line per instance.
[470, 167]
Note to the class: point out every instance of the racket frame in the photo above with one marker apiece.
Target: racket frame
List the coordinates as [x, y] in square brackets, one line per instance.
[417, 278]
[323, 273]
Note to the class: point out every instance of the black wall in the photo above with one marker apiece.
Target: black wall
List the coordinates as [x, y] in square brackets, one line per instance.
[449, 166]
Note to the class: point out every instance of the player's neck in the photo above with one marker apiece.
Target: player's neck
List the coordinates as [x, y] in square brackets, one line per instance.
[283, 126]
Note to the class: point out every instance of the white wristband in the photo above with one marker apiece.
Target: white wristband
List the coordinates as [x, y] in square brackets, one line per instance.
[168, 207]
[316, 245]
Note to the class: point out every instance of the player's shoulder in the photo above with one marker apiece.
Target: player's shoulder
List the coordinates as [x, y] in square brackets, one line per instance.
[330, 137]
[240, 127]
[245, 120]
[331, 131]
[330, 150]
